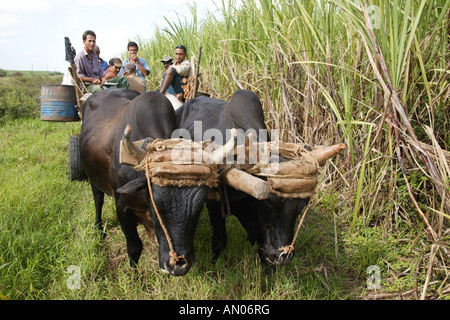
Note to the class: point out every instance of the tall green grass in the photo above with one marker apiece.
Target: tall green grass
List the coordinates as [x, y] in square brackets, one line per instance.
[371, 74]
[20, 94]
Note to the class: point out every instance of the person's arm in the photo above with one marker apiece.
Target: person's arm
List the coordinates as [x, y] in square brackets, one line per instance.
[90, 80]
[142, 68]
[81, 74]
[109, 75]
[100, 80]
[167, 80]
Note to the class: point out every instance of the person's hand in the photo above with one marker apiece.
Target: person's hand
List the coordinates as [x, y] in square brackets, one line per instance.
[97, 81]
[103, 80]
[134, 58]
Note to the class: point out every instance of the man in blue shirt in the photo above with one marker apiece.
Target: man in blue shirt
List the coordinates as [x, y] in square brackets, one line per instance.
[142, 67]
[167, 61]
[103, 63]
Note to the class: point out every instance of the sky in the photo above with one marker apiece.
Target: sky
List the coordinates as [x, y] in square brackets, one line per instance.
[32, 31]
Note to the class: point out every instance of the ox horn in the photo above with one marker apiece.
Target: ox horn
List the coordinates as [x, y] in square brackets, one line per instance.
[130, 147]
[221, 153]
[322, 154]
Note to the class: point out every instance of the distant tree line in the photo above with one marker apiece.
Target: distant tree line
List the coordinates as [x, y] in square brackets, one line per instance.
[5, 73]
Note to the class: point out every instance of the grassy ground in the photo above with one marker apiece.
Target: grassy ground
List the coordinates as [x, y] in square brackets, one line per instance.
[46, 225]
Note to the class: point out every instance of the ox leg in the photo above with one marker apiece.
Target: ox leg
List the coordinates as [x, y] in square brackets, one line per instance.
[219, 232]
[247, 215]
[128, 223]
[99, 197]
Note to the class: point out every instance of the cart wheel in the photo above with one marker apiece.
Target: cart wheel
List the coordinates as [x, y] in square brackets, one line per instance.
[76, 172]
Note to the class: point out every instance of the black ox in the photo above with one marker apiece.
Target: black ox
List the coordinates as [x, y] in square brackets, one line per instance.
[270, 223]
[105, 117]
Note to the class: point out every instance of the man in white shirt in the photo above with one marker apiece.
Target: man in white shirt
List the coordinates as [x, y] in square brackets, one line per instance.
[176, 72]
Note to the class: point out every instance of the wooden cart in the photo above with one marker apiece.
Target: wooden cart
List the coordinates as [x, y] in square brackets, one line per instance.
[76, 172]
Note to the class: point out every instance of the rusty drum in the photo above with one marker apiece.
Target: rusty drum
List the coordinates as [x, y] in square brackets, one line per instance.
[58, 103]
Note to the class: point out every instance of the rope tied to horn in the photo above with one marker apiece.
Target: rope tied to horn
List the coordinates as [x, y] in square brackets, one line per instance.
[159, 146]
[295, 178]
[158, 171]
[290, 248]
[179, 162]
[174, 257]
[295, 153]
[287, 250]
[166, 172]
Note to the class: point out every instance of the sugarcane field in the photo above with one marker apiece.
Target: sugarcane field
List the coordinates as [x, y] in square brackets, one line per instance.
[256, 153]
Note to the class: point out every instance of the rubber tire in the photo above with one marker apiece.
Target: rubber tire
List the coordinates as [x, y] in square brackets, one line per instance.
[76, 172]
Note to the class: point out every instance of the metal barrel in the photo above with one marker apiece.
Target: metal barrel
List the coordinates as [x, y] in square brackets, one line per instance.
[58, 103]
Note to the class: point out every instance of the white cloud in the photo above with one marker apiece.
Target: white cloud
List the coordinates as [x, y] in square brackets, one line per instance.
[137, 4]
[7, 19]
[39, 26]
[73, 17]
[112, 44]
[25, 6]
[9, 33]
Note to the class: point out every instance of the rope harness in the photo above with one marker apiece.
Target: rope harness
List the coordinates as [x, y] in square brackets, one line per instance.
[180, 163]
[295, 178]
[163, 171]
[174, 258]
[287, 250]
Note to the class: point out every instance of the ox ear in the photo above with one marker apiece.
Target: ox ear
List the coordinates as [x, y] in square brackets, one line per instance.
[134, 186]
